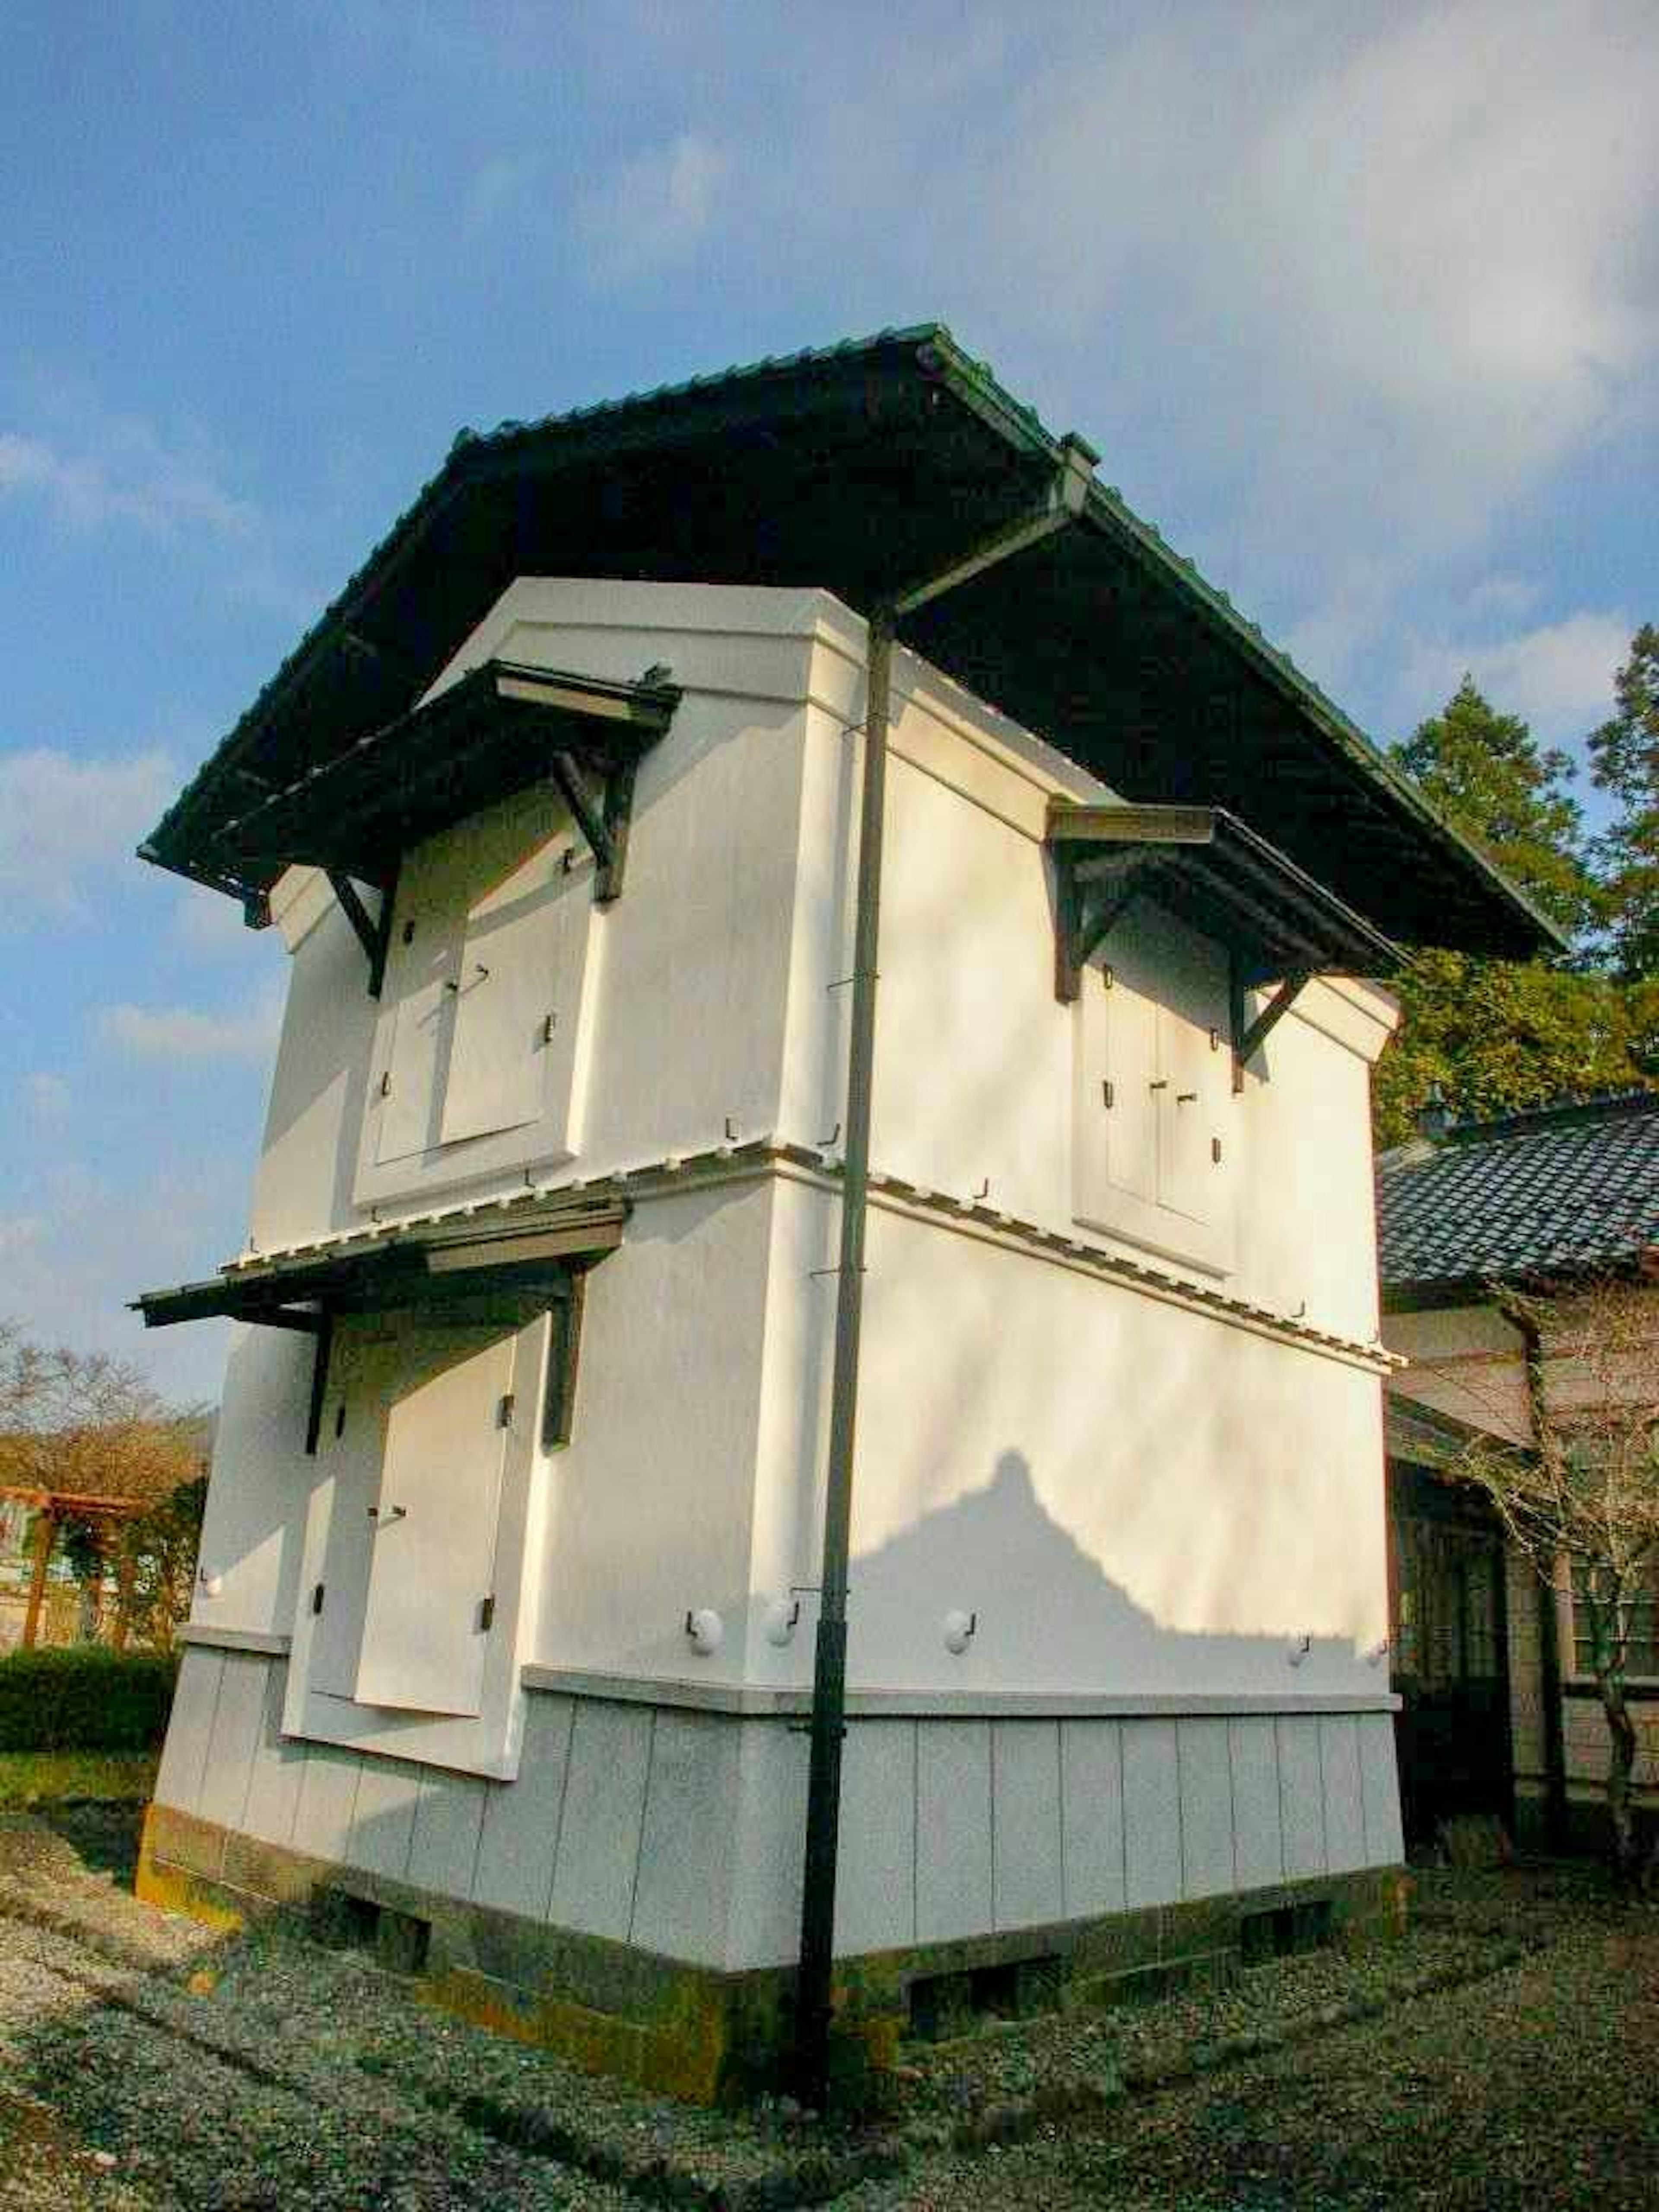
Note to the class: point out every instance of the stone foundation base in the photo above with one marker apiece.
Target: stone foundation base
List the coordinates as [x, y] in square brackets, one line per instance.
[707, 2036]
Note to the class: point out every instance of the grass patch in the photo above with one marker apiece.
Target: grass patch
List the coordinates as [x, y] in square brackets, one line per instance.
[48, 1778]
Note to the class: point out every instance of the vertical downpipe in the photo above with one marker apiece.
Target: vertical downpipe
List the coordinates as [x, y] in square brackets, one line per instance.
[829, 1728]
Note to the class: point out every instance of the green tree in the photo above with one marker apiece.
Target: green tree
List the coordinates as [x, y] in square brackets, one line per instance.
[1486, 773]
[1624, 761]
[1496, 1036]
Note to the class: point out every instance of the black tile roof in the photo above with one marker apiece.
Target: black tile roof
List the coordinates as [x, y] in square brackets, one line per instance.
[1565, 1188]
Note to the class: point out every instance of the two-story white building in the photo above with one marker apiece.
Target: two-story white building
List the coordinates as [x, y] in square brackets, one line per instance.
[504, 1639]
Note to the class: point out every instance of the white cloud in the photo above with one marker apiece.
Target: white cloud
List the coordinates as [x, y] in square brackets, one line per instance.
[1557, 676]
[210, 922]
[106, 471]
[656, 207]
[62, 819]
[47, 1097]
[187, 1035]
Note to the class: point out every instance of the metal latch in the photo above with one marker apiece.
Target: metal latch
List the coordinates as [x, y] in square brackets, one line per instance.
[504, 1411]
[391, 1513]
[486, 1615]
[317, 1598]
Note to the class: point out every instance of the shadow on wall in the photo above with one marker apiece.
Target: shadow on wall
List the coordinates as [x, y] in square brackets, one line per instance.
[1047, 1616]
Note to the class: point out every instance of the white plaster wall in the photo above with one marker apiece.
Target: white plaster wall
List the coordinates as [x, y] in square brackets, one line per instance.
[975, 1066]
[648, 1507]
[1131, 1497]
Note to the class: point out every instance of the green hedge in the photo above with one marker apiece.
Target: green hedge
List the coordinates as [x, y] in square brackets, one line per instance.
[84, 1698]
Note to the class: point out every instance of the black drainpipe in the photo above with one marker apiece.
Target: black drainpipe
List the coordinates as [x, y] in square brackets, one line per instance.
[813, 2006]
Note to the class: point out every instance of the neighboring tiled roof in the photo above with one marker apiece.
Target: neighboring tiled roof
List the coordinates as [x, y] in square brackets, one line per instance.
[1568, 1188]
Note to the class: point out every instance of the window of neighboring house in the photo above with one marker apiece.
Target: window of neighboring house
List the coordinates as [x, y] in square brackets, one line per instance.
[475, 1054]
[1154, 1089]
[1640, 1622]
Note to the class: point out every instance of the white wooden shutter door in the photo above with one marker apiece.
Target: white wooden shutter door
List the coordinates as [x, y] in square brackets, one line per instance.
[517, 1003]
[1194, 1072]
[349, 1451]
[1127, 1101]
[420, 971]
[425, 1635]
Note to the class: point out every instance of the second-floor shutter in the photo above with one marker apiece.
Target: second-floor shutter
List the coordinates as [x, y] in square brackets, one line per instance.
[518, 981]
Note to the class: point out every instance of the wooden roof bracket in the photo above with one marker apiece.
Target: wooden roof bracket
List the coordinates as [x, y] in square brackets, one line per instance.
[1248, 1037]
[1092, 891]
[374, 935]
[604, 828]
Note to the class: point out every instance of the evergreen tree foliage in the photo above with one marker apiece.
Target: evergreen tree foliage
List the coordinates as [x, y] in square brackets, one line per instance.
[1624, 761]
[1496, 1036]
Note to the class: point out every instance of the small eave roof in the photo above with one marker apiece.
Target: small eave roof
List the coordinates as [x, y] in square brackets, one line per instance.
[1568, 1189]
[858, 470]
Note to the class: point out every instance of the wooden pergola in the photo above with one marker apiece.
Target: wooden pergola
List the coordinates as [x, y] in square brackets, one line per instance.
[52, 1508]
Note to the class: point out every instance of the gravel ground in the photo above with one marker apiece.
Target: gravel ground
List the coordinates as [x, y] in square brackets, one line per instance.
[150, 2066]
[1522, 2092]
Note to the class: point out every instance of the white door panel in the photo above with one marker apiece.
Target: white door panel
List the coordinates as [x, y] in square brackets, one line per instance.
[433, 1546]
[517, 1003]
[349, 1449]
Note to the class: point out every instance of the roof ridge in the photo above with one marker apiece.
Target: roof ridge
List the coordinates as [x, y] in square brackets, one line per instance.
[1560, 1112]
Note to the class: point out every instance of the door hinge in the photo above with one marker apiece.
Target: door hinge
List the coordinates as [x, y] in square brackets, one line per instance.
[339, 1420]
[386, 1084]
[504, 1411]
[1106, 1092]
[317, 1598]
[549, 1024]
[486, 1615]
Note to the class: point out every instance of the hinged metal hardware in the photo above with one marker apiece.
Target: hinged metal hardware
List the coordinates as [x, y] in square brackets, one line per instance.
[1186, 1097]
[549, 1023]
[504, 1411]
[1107, 978]
[409, 931]
[1215, 1151]
[317, 1598]
[1159, 1083]
[1215, 1040]
[1107, 1093]
[388, 1513]
[486, 1615]
[339, 1420]
[386, 1084]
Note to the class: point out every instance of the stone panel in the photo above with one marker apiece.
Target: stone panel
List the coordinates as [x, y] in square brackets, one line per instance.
[687, 1842]
[1206, 1807]
[599, 1851]
[1301, 1795]
[190, 1730]
[953, 1829]
[1258, 1823]
[443, 1850]
[277, 1767]
[238, 1723]
[328, 1791]
[1384, 1844]
[1344, 1804]
[383, 1816]
[519, 1834]
[1026, 1853]
[1152, 1812]
[764, 1921]
[1092, 1815]
[876, 1884]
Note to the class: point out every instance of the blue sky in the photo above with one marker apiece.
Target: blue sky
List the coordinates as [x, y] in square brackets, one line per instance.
[1361, 305]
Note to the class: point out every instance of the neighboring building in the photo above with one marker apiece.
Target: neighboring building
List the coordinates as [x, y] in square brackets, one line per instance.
[510, 1569]
[1500, 1712]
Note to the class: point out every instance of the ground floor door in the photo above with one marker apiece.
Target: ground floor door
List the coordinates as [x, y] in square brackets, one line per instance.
[1450, 1652]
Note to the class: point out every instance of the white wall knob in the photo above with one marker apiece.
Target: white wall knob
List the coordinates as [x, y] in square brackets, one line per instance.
[211, 1583]
[960, 1629]
[780, 1619]
[706, 1631]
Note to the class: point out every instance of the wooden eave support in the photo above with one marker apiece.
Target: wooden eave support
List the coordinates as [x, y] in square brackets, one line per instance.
[604, 828]
[373, 932]
[1248, 1038]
